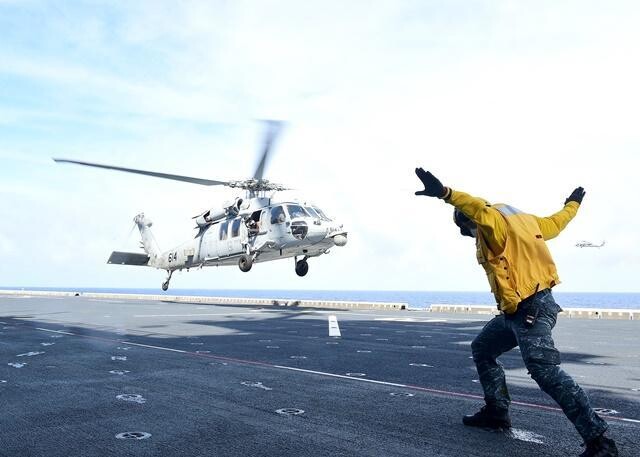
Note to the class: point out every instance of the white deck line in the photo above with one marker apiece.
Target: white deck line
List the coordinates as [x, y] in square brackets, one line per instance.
[340, 376]
[155, 347]
[56, 331]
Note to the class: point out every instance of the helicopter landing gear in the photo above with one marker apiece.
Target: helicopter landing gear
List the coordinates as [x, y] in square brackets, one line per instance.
[302, 267]
[245, 262]
[165, 285]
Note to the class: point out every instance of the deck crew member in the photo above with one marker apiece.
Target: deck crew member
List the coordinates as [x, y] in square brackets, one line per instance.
[511, 247]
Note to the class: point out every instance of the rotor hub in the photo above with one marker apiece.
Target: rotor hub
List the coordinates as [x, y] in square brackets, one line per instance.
[254, 185]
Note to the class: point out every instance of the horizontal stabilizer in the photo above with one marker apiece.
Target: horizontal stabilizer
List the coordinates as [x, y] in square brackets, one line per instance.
[128, 258]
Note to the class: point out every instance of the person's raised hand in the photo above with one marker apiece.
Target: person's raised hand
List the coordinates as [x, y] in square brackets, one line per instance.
[432, 185]
[576, 196]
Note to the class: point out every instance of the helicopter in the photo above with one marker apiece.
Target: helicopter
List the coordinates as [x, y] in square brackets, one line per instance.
[247, 230]
[588, 244]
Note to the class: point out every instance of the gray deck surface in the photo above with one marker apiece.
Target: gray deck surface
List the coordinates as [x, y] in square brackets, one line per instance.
[211, 379]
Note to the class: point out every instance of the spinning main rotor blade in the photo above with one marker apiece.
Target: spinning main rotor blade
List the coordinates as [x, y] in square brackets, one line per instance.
[189, 179]
[273, 129]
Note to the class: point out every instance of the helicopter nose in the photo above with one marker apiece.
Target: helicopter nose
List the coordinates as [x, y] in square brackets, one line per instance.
[340, 240]
[337, 234]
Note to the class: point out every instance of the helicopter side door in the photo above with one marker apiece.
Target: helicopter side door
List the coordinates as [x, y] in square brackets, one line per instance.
[235, 236]
[209, 243]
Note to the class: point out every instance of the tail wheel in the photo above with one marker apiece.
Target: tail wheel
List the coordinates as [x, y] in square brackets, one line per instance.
[245, 263]
[302, 268]
[165, 286]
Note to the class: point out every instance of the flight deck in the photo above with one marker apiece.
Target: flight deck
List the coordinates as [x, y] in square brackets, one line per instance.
[84, 376]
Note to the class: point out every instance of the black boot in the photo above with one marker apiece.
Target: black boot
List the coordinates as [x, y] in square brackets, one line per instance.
[489, 417]
[600, 447]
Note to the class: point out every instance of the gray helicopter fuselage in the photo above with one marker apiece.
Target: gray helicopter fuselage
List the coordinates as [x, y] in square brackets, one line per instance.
[264, 230]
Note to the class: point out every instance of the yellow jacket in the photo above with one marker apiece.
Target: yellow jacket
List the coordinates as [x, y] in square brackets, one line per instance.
[511, 246]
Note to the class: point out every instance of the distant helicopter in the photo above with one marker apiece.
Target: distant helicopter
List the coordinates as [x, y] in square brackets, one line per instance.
[242, 232]
[588, 244]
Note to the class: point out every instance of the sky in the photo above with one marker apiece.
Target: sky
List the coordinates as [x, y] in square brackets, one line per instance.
[515, 102]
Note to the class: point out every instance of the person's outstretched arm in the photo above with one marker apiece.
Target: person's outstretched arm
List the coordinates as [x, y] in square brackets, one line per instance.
[476, 209]
[551, 226]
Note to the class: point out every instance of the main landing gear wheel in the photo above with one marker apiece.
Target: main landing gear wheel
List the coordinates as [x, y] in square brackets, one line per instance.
[245, 262]
[302, 268]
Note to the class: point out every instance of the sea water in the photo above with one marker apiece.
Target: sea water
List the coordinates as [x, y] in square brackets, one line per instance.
[415, 299]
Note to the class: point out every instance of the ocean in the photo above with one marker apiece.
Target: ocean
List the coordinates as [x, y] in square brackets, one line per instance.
[415, 299]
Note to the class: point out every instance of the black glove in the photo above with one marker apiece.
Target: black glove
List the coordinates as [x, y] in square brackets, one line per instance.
[432, 185]
[576, 196]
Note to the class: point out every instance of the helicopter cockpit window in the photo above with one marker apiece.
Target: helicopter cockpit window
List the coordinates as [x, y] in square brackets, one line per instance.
[277, 215]
[323, 216]
[235, 227]
[223, 230]
[312, 212]
[296, 211]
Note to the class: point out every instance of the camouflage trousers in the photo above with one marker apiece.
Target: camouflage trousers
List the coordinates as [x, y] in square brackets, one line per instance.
[541, 358]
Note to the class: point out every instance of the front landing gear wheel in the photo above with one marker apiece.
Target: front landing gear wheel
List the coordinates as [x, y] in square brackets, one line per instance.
[302, 268]
[245, 262]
